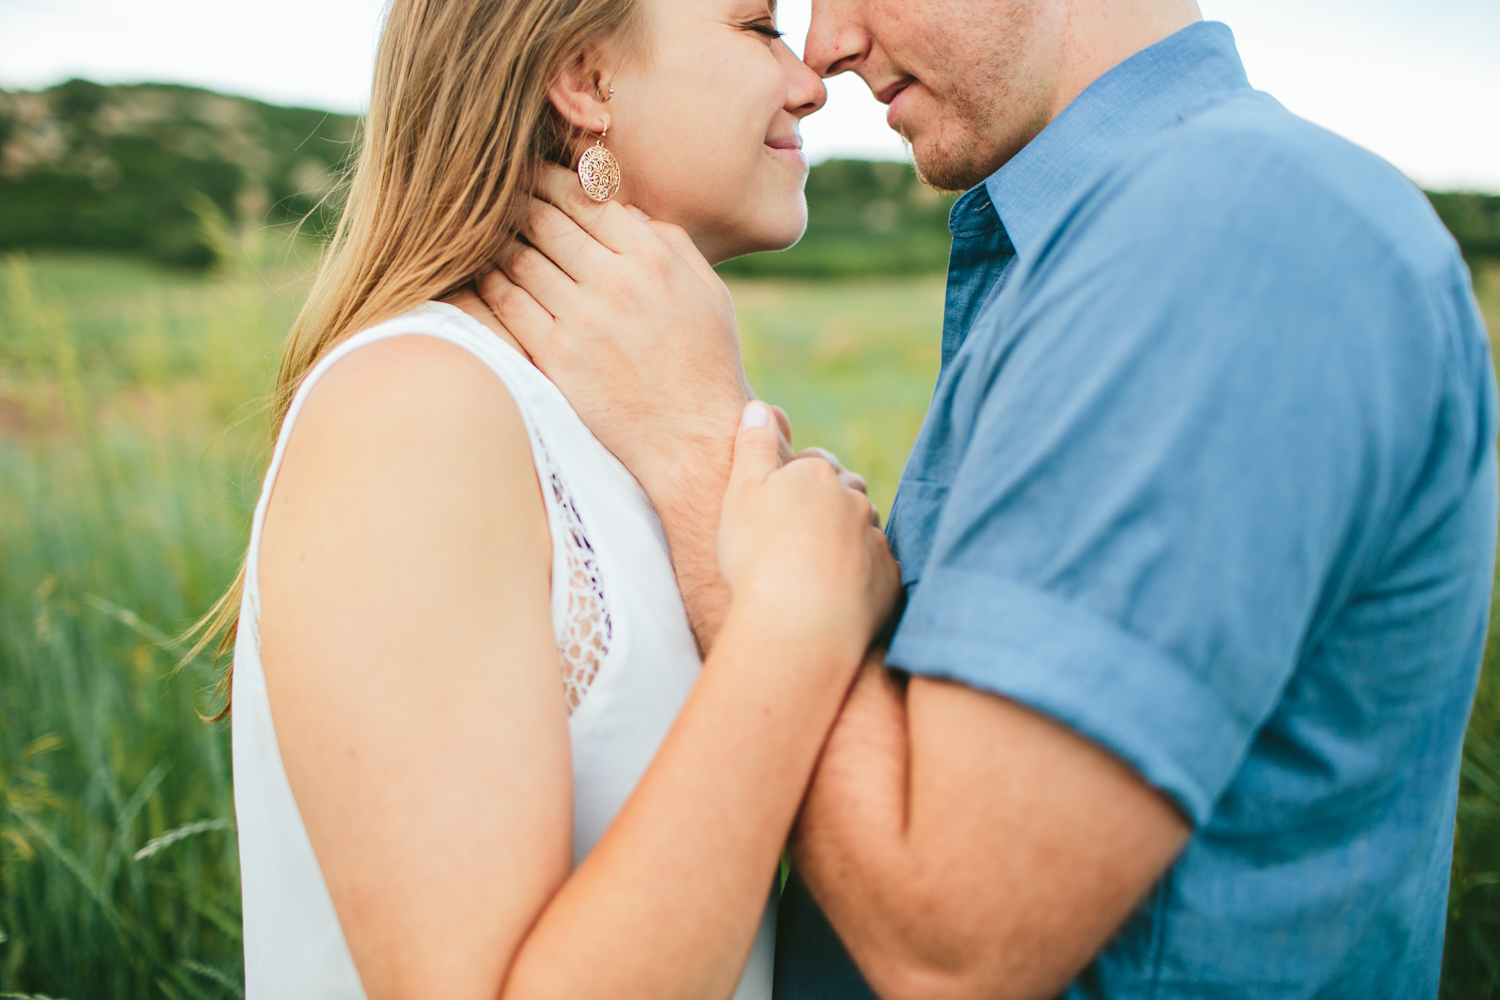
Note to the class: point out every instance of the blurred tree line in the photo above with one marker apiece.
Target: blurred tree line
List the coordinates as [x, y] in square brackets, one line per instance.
[1473, 219]
[156, 169]
[863, 217]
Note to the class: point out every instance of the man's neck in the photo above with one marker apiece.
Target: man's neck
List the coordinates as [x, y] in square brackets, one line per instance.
[1101, 34]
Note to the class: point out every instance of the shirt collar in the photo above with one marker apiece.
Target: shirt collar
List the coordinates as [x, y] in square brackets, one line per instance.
[1142, 95]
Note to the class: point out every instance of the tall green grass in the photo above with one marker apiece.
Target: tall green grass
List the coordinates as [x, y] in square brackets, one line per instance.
[130, 457]
[122, 511]
[1471, 958]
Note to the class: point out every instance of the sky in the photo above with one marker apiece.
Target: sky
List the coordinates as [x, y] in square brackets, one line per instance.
[1418, 83]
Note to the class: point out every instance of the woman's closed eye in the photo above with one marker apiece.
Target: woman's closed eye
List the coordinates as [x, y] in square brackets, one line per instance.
[764, 26]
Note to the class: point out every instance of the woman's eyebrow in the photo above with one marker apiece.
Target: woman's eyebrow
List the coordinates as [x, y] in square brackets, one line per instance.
[769, 6]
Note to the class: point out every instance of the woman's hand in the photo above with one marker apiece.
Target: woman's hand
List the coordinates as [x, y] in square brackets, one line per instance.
[800, 547]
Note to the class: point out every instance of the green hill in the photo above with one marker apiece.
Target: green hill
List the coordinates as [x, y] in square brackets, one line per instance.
[135, 168]
[145, 169]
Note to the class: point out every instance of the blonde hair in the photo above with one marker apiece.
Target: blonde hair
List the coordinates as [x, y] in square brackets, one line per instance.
[458, 126]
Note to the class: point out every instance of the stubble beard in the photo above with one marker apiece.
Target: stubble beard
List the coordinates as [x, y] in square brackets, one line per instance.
[987, 117]
[958, 162]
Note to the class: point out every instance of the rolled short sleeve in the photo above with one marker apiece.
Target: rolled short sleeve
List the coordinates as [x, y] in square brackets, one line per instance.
[1185, 440]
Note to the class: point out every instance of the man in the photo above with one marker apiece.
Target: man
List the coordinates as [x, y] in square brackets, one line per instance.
[1197, 538]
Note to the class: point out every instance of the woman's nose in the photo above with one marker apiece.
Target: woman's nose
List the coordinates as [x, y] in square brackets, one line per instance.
[805, 92]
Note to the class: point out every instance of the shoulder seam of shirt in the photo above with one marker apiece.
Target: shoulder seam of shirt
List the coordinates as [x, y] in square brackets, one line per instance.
[1271, 153]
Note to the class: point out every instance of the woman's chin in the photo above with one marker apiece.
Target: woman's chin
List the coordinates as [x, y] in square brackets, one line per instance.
[782, 234]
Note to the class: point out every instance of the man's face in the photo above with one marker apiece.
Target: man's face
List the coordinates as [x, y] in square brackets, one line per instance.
[968, 82]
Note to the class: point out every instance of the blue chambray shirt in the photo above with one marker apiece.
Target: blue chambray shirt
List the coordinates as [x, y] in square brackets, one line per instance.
[1209, 477]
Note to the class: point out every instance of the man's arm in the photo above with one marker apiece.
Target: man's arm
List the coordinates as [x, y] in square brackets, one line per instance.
[626, 317]
[637, 330]
[964, 846]
[687, 499]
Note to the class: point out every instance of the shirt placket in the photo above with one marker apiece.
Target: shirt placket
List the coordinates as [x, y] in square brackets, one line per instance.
[978, 263]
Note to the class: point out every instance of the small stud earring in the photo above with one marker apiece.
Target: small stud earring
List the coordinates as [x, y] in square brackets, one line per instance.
[599, 171]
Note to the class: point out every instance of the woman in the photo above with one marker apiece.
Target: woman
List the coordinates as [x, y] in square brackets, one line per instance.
[427, 804]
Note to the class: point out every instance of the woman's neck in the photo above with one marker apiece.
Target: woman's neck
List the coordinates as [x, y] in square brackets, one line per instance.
[466, 299]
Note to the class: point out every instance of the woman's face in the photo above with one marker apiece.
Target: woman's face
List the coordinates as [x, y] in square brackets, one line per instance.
[704, 124]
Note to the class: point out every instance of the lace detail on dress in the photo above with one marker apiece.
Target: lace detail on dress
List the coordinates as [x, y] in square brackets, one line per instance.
[585, 638]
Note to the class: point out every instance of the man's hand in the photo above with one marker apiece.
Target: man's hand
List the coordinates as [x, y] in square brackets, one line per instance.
[633, 325]
[851, 480]
[626, 317]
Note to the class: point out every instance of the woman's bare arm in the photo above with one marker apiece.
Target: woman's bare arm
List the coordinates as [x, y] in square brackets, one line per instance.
[418, 698]
[411, 666]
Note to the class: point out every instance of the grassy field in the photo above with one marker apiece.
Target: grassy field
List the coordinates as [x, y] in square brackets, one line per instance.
[130, 455]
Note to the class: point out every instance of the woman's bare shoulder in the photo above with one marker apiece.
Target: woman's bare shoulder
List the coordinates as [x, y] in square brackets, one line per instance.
[410, 449]
[412, 404]
[423, 381]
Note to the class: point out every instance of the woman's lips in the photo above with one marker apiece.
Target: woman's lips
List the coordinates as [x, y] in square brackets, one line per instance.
[788, 146]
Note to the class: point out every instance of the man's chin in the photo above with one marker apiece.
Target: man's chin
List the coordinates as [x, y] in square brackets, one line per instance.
[951, 154]
[945, 169]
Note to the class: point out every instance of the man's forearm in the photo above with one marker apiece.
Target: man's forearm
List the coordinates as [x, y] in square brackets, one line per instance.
[689, 496]
[906, 899]
[963, 846]
[850, 844]
[692, 530]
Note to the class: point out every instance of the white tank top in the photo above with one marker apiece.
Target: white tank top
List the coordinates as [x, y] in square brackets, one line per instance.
[627, 656]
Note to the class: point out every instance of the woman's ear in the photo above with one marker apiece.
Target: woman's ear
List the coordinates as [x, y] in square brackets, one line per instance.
[579, 94]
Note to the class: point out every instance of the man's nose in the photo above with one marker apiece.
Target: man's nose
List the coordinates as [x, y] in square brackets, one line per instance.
[837, 39]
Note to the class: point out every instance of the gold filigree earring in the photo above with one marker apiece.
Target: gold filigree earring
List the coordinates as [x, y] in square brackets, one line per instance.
[598, 170]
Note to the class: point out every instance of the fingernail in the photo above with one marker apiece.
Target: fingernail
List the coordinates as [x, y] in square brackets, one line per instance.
[637, 213]
[757, 414]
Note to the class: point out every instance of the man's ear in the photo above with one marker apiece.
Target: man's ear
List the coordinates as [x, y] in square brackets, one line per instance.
[576, 93]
